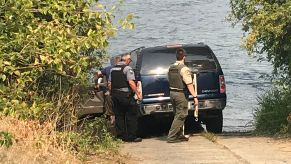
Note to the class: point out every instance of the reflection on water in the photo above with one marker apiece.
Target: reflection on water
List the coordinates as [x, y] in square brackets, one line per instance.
[192, 21]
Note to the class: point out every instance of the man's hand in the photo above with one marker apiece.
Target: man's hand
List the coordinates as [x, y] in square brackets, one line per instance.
[139, 96]
[135, 89]
[196, 109]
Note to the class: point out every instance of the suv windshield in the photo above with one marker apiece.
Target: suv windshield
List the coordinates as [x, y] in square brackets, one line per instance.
[158, 60]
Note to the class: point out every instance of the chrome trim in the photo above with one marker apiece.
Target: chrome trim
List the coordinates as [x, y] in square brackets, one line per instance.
[167, 106]
[155, 99]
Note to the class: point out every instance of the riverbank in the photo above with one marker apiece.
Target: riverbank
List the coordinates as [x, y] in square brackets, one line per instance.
[29, 142]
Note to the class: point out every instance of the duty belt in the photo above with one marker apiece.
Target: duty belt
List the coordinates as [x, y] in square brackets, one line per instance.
[118, 93]
[177, 90]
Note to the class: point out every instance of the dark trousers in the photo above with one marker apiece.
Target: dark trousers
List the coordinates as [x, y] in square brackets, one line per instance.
[108, 105]
[125, 112]
[180, 107]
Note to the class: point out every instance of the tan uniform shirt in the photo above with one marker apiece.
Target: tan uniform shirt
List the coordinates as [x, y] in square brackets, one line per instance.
[185, 73]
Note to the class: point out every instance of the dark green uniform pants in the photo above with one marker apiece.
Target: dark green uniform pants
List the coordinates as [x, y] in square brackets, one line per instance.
[180, 107]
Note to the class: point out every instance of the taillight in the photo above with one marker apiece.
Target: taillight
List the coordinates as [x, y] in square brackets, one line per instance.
[221, 84]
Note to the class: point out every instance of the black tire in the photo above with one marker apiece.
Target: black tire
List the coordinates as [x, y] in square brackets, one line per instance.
[214, 124]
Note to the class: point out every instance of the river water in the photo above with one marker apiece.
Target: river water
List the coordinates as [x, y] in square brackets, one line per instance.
[192, 21]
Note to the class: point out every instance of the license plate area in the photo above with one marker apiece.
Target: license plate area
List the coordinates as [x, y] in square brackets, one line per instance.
[191, 105]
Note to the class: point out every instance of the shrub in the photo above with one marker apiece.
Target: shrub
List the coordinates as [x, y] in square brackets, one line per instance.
[6, 139]
[47, 49]
[271, 117]
[91, 135]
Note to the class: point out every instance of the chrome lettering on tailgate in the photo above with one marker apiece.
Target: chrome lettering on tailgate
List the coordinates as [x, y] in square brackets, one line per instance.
[210, 91]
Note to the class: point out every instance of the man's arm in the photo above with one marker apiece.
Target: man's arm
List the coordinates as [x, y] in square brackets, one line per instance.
[134, 88]
[192, 91]
[109, 85]
[96, 78]
[187, 78]
[131, 81]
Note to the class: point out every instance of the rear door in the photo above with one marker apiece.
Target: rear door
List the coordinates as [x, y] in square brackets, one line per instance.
[156, 62]
[203, 61]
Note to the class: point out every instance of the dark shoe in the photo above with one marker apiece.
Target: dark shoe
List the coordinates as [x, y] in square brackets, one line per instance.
[177, 140]
[137, 140]
[182, 138]
[132, 140]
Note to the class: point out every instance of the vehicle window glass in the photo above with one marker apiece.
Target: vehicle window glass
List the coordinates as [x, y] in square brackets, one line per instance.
[158, 61]
[134, 59]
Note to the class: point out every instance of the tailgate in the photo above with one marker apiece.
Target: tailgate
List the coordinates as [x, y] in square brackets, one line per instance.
[207, 83]
[155, 86]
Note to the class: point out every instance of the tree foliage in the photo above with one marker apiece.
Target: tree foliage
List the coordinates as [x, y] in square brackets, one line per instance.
[46, 48]
[267, 25]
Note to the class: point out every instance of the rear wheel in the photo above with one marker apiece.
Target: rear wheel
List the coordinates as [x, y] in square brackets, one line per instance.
[214, 124]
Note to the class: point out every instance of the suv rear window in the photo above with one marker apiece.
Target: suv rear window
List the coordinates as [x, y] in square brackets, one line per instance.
[158, 60]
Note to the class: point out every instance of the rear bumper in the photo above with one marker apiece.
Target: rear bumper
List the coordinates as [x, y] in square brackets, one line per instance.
[166, 107]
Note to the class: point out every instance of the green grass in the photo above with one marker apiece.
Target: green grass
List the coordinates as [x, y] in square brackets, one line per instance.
[210, 136]
[6, 139]
[91, 136]
[271, 117]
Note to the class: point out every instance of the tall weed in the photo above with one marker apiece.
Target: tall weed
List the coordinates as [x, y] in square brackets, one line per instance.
[90, 136]
[6, 139]
[271, 117]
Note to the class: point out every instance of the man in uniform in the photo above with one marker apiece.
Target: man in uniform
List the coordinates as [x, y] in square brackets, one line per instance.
[105, 72]
[180, 80]
[123, 88]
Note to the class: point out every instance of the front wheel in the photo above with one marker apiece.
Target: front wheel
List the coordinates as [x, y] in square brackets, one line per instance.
[214, 124]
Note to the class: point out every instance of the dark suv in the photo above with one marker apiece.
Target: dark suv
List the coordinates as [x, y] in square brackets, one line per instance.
[151, 68]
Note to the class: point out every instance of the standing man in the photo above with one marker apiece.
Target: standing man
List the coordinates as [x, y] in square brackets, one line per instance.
[180, 80]
[123, 88]
[105, 72]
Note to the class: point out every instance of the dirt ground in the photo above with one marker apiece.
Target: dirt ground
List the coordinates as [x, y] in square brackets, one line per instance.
[201, 148]
[225, 148]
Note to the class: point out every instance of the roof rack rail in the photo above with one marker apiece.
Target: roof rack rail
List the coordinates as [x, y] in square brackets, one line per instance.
[175, 45]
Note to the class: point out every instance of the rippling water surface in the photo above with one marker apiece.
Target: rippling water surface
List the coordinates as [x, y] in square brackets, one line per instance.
[192, 21]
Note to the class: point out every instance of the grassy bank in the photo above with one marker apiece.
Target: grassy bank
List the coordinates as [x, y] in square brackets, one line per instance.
[31, 142]
[273, 116]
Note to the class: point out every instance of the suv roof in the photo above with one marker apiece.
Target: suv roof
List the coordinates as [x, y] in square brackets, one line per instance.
[169, 46]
